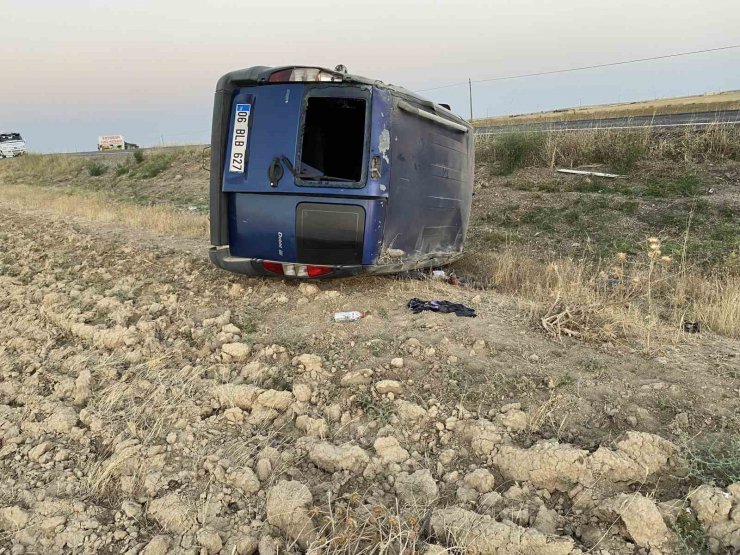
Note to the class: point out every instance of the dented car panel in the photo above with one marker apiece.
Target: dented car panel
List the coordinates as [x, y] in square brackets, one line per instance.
[333, 175]
[431, 180]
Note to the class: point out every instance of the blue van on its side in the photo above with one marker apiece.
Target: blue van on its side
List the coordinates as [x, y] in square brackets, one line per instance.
[318, 173]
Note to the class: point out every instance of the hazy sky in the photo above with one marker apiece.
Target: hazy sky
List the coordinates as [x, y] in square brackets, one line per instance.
[71, 70]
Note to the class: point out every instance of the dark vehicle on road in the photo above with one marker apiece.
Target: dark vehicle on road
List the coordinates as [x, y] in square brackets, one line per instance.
[319, 173]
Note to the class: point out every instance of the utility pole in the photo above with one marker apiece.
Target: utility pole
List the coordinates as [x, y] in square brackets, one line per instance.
[470, 96]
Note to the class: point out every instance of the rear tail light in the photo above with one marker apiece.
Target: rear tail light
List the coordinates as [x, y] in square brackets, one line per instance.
[303, 74]
[274, 267]
[316, 271]
[296, 270]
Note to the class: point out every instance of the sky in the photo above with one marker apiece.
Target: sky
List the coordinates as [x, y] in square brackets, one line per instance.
[72, 70]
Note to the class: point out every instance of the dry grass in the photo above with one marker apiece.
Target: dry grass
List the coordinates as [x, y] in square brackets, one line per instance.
[52, 168]
[42, 167]
[617, 148]
[643, 298]
[173, 176]
[716, 302]
[351, 528]
[729, 100]
[140, 409]
[97, 207]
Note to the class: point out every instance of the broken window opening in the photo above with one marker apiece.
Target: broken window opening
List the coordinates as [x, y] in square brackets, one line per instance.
[333, 139]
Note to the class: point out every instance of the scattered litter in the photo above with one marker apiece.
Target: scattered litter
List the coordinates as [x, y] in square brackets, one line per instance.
[440, 275]
[424, 275]
[352, 316]
[563, 320]
[417, 306]
[595, 174]
[691, 327]
[413, 274]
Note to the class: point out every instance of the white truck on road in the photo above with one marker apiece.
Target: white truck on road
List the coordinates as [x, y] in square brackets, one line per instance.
[114, 142]
[11, 145]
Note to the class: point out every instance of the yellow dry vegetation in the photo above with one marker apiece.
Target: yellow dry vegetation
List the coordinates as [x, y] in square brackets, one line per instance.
[717, 302]
[729, 100]
[645, 300]
[46, 168]
[98, 207]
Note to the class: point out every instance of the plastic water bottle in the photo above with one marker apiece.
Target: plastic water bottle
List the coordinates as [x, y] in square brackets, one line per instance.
[348, 316]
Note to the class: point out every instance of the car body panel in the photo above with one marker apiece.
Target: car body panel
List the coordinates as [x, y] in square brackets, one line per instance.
[412, 200]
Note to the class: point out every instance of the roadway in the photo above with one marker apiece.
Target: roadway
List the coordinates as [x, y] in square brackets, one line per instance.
[124, 152]
[697, 119]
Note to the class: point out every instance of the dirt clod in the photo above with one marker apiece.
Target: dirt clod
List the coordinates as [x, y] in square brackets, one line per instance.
[287, 509]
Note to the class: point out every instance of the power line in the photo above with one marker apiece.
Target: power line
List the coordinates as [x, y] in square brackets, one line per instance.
[582, 68]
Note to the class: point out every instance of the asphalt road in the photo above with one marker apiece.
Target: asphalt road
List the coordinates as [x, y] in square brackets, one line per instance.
[698, 119]
[124, 152]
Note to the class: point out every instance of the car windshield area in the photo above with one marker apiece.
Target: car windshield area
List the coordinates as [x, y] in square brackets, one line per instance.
[7, 137]
[333, 139]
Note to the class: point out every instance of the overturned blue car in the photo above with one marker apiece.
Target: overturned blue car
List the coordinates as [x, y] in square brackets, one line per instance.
[320, 173]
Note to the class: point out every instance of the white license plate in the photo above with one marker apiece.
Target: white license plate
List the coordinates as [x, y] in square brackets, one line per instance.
[239, 138]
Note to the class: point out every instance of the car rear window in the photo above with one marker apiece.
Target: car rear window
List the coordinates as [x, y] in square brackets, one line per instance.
[333, 139]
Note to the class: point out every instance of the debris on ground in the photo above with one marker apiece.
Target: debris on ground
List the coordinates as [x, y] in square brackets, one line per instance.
[417, 306]
[440, 275]
[351, 316]
[592, 174]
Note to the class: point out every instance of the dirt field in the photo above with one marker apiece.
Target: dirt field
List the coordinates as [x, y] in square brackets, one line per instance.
[729, 100]
[150, 403]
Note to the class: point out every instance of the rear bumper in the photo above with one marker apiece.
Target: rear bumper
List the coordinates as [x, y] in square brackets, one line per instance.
[221, 257]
